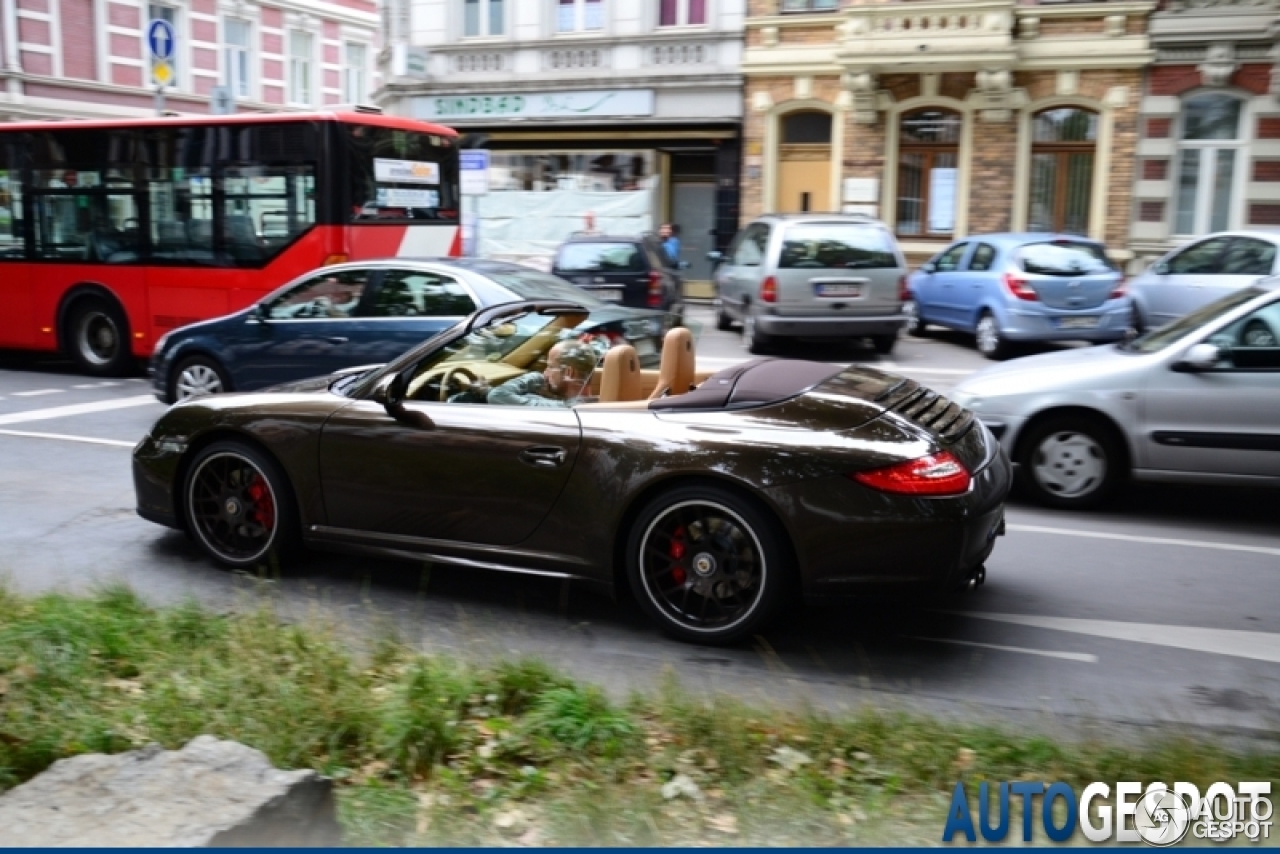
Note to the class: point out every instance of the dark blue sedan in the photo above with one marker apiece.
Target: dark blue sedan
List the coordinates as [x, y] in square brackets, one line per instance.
[366, 313]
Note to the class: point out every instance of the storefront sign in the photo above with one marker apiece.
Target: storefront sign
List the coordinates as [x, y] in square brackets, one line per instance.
[620, 102]
[406, 171]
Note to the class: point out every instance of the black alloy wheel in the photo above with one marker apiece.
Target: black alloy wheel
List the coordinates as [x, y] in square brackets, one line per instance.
[98, 337]
[706, 565]
[238, 506]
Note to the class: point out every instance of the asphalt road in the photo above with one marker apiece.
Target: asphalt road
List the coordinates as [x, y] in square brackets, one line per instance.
[1160, 610]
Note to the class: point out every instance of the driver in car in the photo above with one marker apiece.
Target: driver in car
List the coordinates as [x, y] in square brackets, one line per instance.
[569, 367]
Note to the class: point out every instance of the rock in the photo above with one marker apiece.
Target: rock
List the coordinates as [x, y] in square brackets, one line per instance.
[209, 793]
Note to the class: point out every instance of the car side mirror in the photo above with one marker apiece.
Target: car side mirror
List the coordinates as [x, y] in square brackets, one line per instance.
[1200, 357]
[257, 314]
[928, 267]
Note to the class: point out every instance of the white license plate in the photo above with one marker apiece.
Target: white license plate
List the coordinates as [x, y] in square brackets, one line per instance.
[1078, 322]
[644, 347]
[847, 291]
[607, 294]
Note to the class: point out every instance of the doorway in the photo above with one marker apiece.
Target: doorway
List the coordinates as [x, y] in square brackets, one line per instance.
[804, 162]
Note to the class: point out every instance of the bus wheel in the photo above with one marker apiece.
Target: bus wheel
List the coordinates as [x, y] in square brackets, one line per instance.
[98, 337]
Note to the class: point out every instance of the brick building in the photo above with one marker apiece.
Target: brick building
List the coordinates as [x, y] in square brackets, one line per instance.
[1209, 147]
[947, 117]
[87, 58]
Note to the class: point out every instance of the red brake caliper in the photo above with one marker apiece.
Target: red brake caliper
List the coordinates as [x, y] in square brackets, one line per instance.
[677, 552]
[264, 508]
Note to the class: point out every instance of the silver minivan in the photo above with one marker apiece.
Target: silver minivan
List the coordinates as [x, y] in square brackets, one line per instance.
[812, 276]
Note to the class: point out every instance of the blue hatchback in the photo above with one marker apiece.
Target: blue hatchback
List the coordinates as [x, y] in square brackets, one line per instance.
[368, 313]
[1021, 287]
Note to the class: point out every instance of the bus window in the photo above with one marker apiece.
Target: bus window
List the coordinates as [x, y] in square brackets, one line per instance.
[12, 241]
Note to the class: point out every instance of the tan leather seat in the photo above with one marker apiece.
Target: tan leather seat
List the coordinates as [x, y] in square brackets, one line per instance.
[620, 378]
[679, 364]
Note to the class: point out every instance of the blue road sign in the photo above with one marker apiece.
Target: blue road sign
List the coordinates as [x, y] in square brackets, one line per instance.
[160, 38]
[474, 158]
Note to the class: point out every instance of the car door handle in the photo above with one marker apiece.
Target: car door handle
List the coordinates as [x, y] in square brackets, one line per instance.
[543, 456]
[337, 339]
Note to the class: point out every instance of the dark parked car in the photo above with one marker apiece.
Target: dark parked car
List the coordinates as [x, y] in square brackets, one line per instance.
[632, 271]
[361, 314]
[713, 497]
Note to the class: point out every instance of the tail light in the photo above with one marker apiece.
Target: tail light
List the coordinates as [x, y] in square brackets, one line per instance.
[769, 290]
[904, 292]
[334, 259]
[936, 474]
[655, 289]
[1018, 286]
[1121, 288]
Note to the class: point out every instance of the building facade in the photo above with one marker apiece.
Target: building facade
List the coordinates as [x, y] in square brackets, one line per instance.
[626, 112]
[947, 117]
[88, 58]
[1209, 147]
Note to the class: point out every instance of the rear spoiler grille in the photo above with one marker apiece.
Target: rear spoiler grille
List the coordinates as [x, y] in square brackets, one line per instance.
[948, 420]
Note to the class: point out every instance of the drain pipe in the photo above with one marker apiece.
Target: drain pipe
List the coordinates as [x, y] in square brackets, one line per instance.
[12, 65]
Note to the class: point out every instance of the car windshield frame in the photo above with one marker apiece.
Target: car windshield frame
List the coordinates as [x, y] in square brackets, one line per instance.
[1158, 340]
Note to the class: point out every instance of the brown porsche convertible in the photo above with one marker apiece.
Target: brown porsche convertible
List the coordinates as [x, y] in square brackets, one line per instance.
[712, 496]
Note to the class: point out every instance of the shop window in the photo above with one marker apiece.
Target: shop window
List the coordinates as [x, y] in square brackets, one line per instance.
[808, 6]
[929, 146]
[483, 18]
[1063, 149]
[575, 16]
[1209, 154]
[675, 13]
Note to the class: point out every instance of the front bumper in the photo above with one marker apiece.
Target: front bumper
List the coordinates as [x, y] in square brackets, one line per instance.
[829, 327]
[154, 473]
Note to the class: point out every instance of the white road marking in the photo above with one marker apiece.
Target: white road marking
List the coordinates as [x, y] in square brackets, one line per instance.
[1136, 538]
[1086, 657]
[105, 384]
[37, 392]
[78, 409]
[88, 440]
[1259, 646]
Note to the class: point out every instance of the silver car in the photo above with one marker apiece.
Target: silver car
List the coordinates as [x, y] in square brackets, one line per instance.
[1196, 401]
[812, 276]
[1199, 273]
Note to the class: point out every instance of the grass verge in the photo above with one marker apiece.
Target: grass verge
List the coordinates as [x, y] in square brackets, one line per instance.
[427, 751]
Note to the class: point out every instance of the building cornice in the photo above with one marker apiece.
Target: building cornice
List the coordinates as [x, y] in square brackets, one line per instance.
[43, 105]
[560, 43]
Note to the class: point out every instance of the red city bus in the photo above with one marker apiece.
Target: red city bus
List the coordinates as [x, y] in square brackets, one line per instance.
[112, 233]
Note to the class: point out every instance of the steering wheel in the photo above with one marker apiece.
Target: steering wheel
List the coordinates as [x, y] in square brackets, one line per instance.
[1257, 333]
[459, 371]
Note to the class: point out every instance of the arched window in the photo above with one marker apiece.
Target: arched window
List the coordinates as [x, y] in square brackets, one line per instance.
[1064, 143]
[929, 145]
[1207, 162]
[812, 127]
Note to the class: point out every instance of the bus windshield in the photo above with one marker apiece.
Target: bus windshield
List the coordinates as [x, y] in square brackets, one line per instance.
[400, 175]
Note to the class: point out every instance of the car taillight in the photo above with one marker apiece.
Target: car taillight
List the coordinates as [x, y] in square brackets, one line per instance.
[769, 290]
[936, 474]
[1018, 286]
[655, 289]
[904, 292]
[1121, 288]
[334, 259]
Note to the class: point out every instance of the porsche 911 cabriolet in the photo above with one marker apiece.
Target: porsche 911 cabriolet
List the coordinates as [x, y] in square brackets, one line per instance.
[713, 497]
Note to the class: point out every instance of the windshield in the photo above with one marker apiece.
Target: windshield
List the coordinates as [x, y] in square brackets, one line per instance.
[1064, 258]
[398, 175]
[821, 245]
[600, 258]
[1159, 339]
